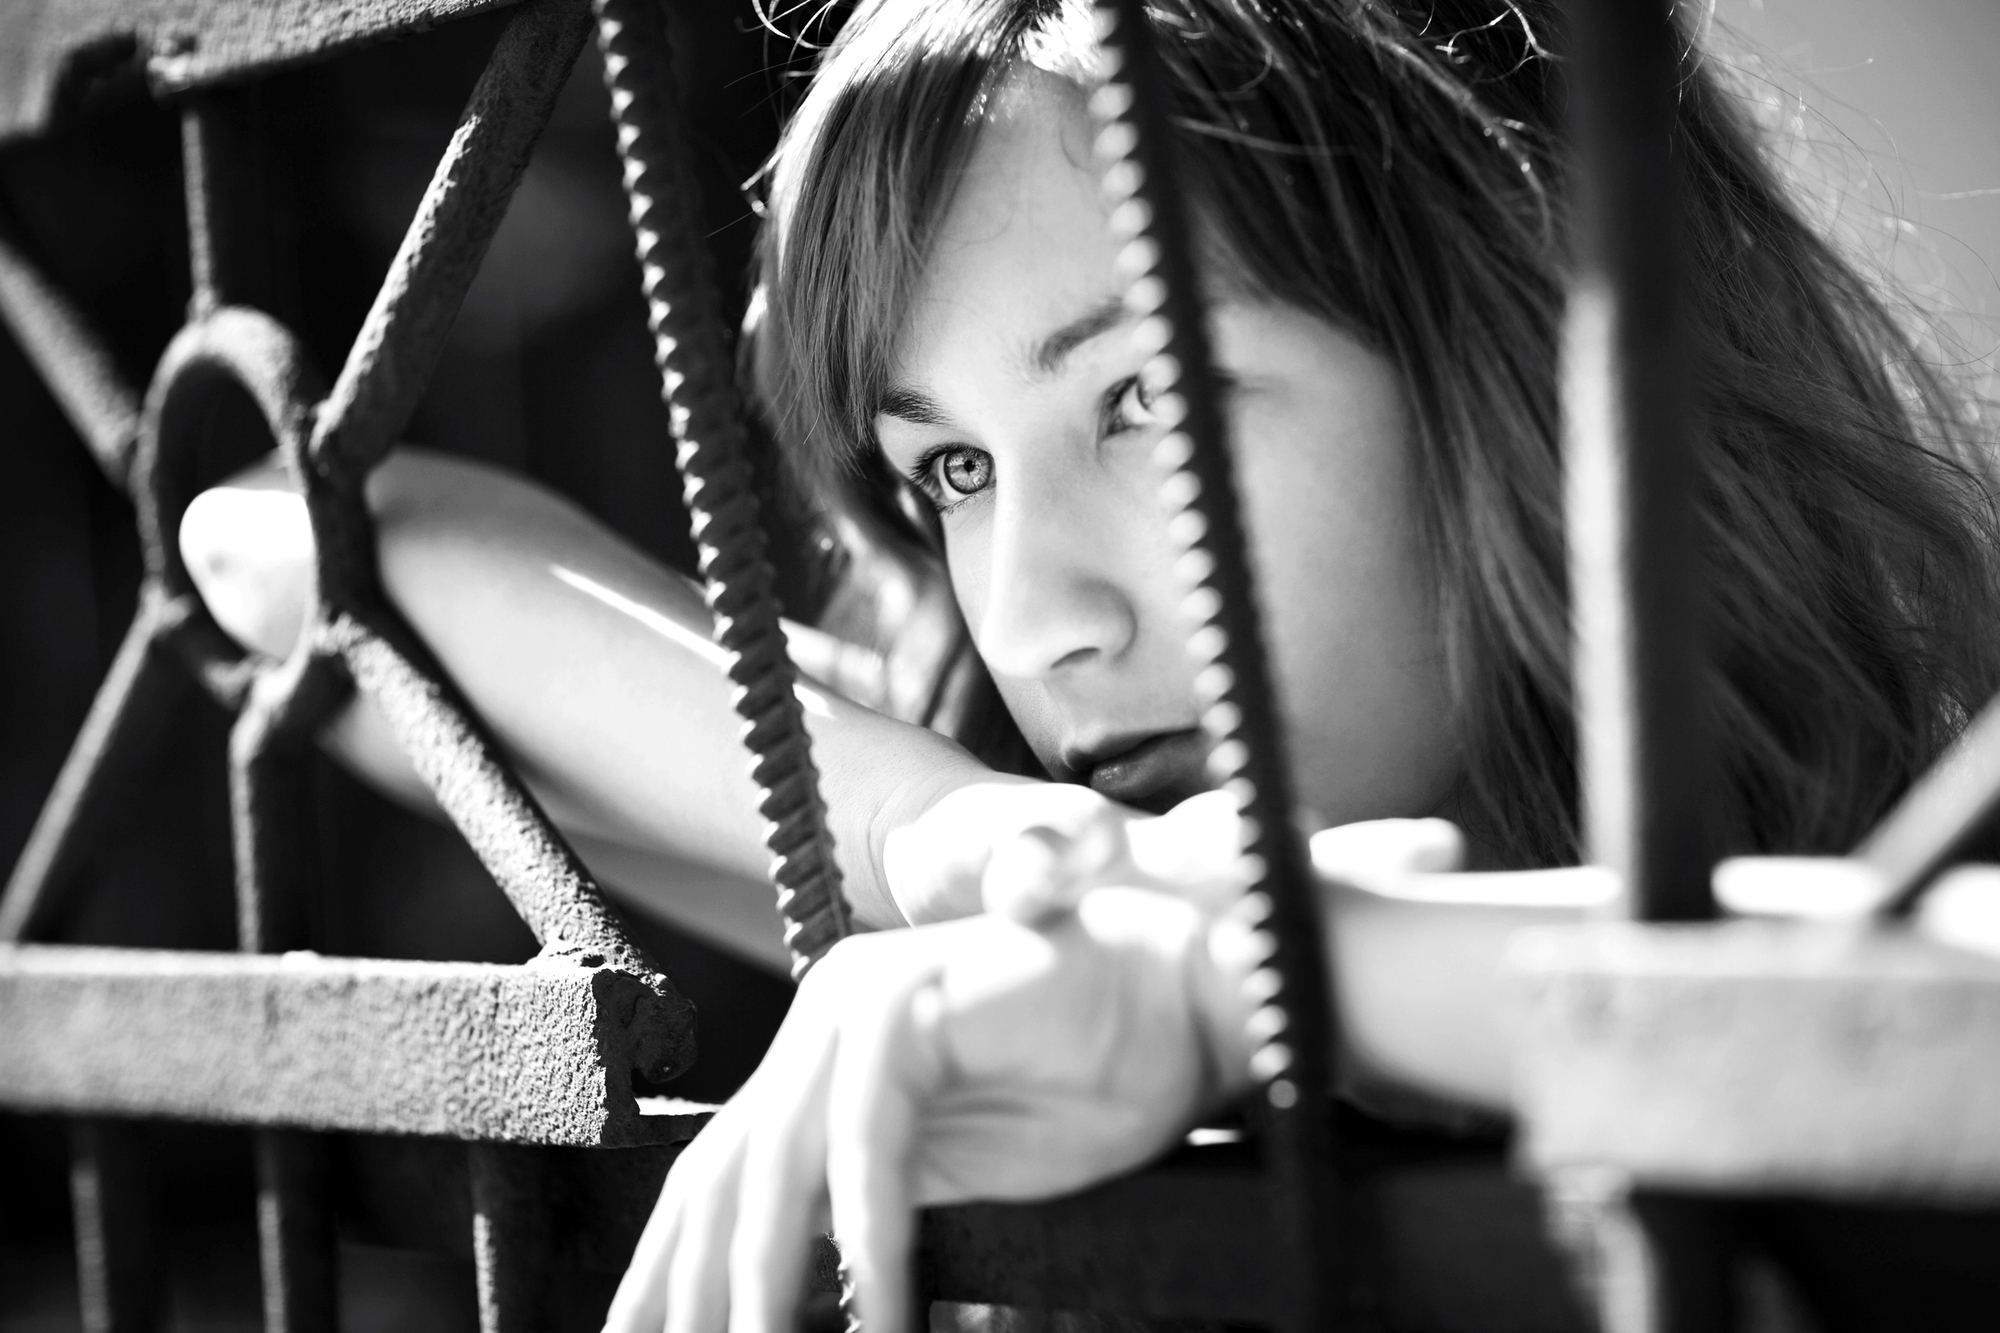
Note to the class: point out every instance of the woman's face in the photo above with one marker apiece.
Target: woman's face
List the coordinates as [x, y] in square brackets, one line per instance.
[1015, 407]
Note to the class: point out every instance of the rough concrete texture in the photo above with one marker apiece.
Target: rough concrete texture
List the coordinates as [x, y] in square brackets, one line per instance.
[535, 1054]
[1761, 1057]
[183, 43]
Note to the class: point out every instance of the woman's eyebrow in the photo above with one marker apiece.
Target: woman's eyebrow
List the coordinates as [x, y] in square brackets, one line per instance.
[1048, 354]
[912, 405]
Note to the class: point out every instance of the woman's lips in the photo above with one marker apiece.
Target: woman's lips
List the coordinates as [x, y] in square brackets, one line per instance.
[1157, 773]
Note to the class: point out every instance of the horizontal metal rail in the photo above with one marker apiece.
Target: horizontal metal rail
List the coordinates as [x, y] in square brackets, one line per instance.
[184, 44]
[535, 1054]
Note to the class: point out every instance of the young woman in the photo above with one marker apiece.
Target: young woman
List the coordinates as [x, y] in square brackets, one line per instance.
[1381, 195]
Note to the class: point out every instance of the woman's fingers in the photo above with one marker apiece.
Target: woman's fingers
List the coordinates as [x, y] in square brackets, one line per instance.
[697, 1295]
[783, 1179]
[890, 1068]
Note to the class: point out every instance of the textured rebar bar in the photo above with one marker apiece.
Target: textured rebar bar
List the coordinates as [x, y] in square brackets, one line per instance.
[1293, 1025]
[692, 348]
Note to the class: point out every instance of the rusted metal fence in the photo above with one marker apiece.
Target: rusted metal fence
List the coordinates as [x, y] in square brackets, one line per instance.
[516, 1060]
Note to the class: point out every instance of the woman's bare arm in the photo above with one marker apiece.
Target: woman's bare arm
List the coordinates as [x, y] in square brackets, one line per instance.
[591, 663]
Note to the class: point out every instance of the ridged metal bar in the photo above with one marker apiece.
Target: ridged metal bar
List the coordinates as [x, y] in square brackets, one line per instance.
[698, 374]
[1636, 566]
[1293, 1026]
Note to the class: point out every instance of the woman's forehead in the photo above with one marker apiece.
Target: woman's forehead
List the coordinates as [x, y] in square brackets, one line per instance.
[1022, 250]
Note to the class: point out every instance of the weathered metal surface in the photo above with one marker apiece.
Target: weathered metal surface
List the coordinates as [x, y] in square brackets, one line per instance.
[691, 345]
[295, 1234]
[543, 1053]
[117, 1253]
[541, 876]
[1761, 1058]
[182, 44]
[393, 355]
[1240, 709]
[75, 365]
[1635, 559]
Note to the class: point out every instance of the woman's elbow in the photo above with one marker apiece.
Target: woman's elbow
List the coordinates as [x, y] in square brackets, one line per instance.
[248, 546]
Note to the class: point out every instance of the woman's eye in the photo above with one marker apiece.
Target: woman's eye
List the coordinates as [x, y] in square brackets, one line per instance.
[952, 475]
[1129, 405]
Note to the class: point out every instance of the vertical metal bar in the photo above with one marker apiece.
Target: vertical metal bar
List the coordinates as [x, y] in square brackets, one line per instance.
[295, 1238]
[233, 241]
[230, 253]
[698, 374]
[1636, 575]
[511, 1243]
[116, 1260]
[1240, 710]
[1634, 534]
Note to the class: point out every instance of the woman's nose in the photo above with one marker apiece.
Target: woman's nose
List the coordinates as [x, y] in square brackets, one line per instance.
[1057, 598]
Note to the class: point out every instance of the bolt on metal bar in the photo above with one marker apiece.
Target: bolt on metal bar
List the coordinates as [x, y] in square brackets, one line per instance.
[1294, 1025]
[1635, 557]
[72, 361]
[698, 379]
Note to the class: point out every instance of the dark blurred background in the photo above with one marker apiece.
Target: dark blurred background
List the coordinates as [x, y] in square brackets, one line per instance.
[549, 370]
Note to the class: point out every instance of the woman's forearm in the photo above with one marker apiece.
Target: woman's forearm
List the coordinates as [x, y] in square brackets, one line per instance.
[591, 664]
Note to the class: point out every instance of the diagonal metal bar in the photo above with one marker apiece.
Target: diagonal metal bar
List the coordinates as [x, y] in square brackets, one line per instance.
[392, 357]
[1240, 711]
[1950, 805]
[126, 720]
[691, 346]
[553, 892]
[72, 361]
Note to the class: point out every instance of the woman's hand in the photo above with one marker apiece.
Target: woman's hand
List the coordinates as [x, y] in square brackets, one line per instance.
[983, 1058]
[1028, 849]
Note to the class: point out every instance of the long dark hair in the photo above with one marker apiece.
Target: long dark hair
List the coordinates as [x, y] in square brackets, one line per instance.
[1396, 167]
